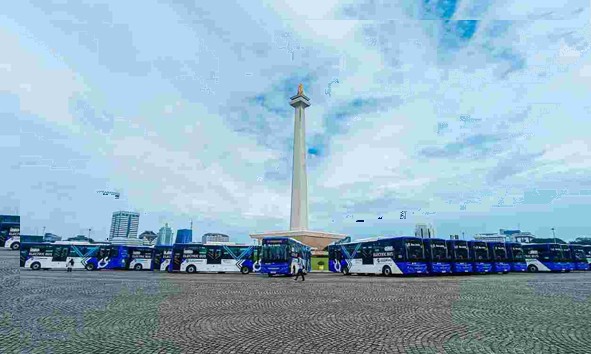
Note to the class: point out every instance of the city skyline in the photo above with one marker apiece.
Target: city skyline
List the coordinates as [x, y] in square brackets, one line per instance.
[470, 125]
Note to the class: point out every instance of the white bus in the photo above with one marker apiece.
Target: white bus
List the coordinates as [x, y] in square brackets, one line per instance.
[56, 255]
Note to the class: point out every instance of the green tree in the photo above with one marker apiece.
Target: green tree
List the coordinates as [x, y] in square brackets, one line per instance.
[582, 240]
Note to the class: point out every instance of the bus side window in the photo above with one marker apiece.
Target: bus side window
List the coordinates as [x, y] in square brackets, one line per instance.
[398, 248]
[114, 252]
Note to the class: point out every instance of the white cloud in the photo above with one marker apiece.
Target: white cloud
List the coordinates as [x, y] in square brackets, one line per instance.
[44, 87]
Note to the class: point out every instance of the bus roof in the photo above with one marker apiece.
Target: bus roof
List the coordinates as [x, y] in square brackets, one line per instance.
[233, 244]
[379, 238]
[434, 239]
[284, 238]
[84, 243]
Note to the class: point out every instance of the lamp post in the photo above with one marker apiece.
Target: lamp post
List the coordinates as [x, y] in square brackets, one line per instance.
[554, 234]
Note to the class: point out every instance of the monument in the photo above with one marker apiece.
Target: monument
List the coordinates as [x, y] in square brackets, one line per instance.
[298, 225]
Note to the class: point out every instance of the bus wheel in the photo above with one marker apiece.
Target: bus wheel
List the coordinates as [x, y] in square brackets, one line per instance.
[387, 271]
[15, 246]
[191, 269]
[89, 266]
[137, 267]
[270, 275]
[36, 266]
[346, 271]
[244, 270]
[532, 268]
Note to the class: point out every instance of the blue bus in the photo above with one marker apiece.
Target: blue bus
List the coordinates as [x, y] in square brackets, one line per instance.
[500, 259]
[579, 258]
[162, 257]
[547, 257]
[89, 256]
[139, 258]
[461, 263]
[220, 258]
[587, 249]
[10, 231]
[516, 257]
[481, 257]
[387, 256]
[438, 257]
[279, 256]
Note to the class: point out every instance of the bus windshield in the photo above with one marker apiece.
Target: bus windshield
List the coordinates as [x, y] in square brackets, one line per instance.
[439, 250]
[556, 253]
[275, 253]
[579, 254]
[461, 251]
[414, 250]
[500, 253]
[480, 251]
[518, 254]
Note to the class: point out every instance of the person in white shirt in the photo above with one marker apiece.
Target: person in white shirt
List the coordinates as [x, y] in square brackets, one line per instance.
[300, 265]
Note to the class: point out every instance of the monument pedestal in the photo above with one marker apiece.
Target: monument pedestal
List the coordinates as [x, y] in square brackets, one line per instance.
[318, 240]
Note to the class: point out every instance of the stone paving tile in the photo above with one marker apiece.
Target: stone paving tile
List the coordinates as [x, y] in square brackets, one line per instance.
[118, 312]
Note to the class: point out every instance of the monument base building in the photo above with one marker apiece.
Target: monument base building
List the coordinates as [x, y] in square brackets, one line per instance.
[318, 240]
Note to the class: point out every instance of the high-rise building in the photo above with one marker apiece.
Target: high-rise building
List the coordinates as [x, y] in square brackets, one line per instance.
[124, 224]
[214, 237]
[424, 231]
[164, 235]
[184, 236]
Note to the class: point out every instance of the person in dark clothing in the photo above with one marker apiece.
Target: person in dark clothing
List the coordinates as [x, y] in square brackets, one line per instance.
[70, 264]
[300, 269]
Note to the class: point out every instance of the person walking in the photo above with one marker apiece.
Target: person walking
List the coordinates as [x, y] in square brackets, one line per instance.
[69, 265]
[300, 265]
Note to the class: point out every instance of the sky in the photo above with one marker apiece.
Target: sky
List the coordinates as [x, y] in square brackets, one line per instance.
[470, 115]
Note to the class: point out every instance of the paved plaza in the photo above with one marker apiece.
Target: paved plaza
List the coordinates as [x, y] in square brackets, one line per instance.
[118, 311]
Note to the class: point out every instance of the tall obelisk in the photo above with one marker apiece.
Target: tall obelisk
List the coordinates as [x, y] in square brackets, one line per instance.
[298, 226]
[299, 181]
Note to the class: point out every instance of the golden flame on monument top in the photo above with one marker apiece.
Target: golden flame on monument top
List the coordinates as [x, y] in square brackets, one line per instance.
[300, 89]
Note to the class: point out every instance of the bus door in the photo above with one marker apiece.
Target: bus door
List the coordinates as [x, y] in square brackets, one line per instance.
[60, 256]
[177, 259]
[24, 254]
[367, 255]
[157, 258]
[214, 258]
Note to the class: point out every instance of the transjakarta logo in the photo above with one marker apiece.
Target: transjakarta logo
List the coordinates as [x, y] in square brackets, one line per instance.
[388, 248]
[35, 250]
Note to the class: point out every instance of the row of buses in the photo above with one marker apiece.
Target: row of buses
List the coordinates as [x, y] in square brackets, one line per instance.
[278, 255]
[412, 255]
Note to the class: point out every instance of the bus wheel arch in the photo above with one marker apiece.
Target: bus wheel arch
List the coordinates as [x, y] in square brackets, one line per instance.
[244, 270]
[138, 267]
[191, 269]
[36, 266]
[532, 268]
[90, 267]
[387, 271]
[15, 246]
